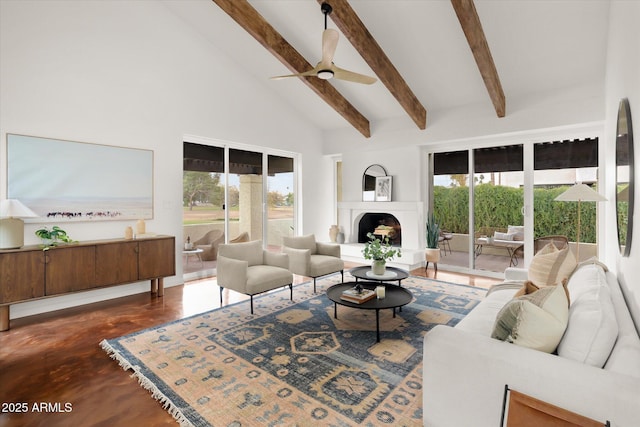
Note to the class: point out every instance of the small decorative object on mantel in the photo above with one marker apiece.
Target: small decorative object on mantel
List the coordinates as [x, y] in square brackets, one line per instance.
[128, 233]
[379, 251]
[333, 233]
[53, 237]
[432, 253]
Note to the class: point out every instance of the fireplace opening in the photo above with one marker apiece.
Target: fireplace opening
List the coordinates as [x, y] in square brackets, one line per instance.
[370, 221]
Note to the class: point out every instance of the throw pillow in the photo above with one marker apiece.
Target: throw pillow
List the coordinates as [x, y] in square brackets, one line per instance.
[517, 231]
[527, 288]
[537, 320]
[502, 236]
[551, 265]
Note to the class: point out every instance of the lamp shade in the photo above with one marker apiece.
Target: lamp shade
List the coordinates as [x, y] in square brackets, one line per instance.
[13, 208]
[11, 226]
[580, 193]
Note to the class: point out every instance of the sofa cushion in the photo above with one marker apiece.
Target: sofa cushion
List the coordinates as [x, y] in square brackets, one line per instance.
[551, 265]
[481, 319]
[537, 320]
[592, 330]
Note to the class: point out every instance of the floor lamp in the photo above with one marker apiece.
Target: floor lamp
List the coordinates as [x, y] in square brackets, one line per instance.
[580, 193]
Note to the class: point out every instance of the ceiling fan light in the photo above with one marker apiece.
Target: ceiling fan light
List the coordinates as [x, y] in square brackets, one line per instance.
[325, 74]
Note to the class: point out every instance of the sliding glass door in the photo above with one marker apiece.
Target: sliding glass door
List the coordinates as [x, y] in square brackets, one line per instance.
[557, 166]
[280, 200]
[497, 207]
[479, 197]
[450, 203]
[226, 198]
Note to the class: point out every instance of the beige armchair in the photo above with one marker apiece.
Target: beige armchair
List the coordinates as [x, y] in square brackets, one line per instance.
[249, 269]
[312, 259]
[209, 244]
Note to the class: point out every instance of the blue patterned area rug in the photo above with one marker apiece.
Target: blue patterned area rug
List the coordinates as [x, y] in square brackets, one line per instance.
[292, 363]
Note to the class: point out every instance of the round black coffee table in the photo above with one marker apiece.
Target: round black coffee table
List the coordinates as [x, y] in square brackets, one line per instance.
[391, 274]
[396, 296]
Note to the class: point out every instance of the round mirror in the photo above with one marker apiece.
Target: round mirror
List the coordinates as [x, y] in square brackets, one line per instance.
[369, 181]
[624, 177]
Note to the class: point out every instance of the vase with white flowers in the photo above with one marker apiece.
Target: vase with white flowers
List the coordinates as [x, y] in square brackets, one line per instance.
[379, 251]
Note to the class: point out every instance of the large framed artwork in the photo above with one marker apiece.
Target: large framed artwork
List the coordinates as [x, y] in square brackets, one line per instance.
[76, 181]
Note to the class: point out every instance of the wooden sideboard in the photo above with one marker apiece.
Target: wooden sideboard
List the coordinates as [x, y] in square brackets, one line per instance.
[31, 273]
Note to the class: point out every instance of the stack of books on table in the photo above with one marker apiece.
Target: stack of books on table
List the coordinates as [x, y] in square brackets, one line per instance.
[352, 295]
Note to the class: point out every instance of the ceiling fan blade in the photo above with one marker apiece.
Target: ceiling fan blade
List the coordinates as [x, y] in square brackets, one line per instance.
[350, 76]
[329, 44]
[309, 73]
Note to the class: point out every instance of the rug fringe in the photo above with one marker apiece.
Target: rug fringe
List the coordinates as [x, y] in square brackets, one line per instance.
[166, 403]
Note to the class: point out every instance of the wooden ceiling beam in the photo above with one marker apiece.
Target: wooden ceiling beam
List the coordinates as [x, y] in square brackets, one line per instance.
[470, 22]
[249, 19]
[355, 31]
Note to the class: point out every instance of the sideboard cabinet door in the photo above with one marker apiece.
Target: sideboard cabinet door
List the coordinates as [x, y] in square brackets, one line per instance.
[116, 263]
[21, 276]
[156, 258]
[69, 269]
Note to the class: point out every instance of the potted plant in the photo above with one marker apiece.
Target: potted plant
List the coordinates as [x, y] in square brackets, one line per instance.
[52, 237]
[379, 251]
[432, 253]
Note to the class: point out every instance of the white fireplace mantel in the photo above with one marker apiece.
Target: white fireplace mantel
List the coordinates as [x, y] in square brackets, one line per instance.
[411, 218]
[409, 214]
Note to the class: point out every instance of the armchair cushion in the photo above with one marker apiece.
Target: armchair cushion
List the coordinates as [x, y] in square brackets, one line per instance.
[330, 249]
[301, 242]
[299, 260]
[246, 251]
[262, 278]
[276, 259]
[324, 264]
[232, 273]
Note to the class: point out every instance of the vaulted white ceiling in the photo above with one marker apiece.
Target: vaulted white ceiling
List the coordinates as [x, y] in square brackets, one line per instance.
[538, 46]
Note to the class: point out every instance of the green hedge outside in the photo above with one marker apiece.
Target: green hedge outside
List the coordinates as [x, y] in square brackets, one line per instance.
[498, 206]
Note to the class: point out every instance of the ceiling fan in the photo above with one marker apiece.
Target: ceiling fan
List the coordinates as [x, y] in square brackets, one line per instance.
[326, 69]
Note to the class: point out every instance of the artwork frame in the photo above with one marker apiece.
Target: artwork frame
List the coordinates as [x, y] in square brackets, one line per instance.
[64, 181]
[383, 188]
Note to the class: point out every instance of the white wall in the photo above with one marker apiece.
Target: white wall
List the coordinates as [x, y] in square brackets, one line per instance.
[133, 74]
[623, 81]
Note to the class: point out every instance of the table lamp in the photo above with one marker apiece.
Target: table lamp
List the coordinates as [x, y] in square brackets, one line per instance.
[580, 192]
[11, 224]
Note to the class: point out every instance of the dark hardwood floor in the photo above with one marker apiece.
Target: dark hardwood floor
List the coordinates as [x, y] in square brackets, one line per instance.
[53, 369]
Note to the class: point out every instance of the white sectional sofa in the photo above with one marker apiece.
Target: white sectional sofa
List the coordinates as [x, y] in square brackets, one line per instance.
[465, 370]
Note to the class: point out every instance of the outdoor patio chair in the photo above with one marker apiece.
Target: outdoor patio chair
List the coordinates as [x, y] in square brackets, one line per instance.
[558, 241]
[445, 237]
[209, 244]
